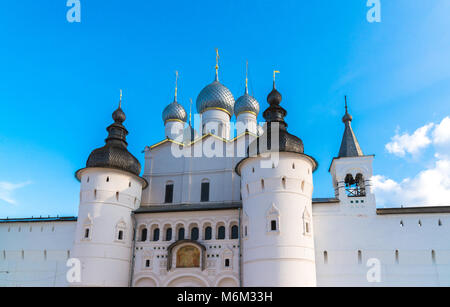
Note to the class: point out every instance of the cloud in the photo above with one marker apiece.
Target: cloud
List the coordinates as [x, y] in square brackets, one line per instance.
[441, 133]
[412, 144]
[7, 190]
[430, 187]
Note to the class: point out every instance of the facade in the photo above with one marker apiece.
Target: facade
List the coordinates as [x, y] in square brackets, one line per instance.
[215, 210]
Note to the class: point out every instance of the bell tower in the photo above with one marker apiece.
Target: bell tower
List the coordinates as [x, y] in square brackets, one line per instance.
[351, 170]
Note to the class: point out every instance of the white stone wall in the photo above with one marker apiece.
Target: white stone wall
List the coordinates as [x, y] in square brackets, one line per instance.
[352, 234]
[35, 253]
[215, 273]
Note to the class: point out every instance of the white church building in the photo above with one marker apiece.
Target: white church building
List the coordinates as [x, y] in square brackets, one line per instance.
[213, 209]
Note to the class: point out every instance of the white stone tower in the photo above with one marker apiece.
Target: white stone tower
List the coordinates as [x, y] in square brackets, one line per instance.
[351, 171]
[278, 234]
[110, 191]
[215, 103]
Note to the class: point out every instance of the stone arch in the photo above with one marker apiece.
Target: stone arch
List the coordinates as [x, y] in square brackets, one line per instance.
[176, 246]
[146, 282]
[227, 282]
[187, 280]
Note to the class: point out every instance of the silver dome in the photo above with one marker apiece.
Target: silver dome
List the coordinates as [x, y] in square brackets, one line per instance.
[174, 111]
[215, 95]
[246, 103]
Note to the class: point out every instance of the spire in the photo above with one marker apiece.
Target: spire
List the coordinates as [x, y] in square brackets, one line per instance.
[120, 100]
[217, 65]
[246, 77]
[349, 146]
[190, 111]
[176, 85]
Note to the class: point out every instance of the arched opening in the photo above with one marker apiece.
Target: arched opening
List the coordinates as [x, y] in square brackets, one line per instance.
[208, 233]
[168, 234]
[221, 233]
[234, 232]
[143, 234]
[181, 233]
[156, 234]
[194, 233]
[355, 187]
[188, 257]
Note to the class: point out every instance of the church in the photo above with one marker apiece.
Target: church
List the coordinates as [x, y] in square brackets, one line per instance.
[227, 205]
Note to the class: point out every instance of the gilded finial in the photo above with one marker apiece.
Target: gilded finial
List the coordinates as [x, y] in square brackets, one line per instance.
[274, 76]
[176, 84]
[120, 99]
[190, 111]
[246, 77]
[217, 64]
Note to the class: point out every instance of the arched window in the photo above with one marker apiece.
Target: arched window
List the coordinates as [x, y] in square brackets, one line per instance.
[120, 235]
[221, 233]
[181, 233]
[208, 233]
[168, 199]
[194, 233]
[234, 232]
[355, 187]
[168, 234]
[204, 191]
[156, 234]
[273, 220]
[144, 234]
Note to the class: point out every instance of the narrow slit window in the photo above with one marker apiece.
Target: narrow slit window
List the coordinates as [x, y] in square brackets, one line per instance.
[168, 199]
[205, 192]
[120, 236]
[273, 225]
[227, 263]
[325, 257]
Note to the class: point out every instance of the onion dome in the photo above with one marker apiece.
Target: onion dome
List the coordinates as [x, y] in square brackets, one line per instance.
[115, 153]
[275, 128]
[174, 111]
[215, 95]
[246, 103]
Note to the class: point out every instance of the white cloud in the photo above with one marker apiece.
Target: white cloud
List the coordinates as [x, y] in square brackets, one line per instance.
[441, 133]
[412, 144]
[430, 187]
[7, 190]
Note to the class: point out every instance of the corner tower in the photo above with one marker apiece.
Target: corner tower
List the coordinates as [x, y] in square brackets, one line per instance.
[351, 170]
[110, 191]
[277, 186]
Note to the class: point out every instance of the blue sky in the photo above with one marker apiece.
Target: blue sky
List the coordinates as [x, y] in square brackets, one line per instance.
[59, 84]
